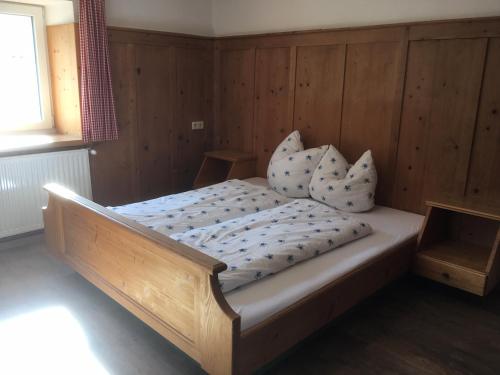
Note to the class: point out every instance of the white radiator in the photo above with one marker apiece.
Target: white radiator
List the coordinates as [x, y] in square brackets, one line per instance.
[21, 186]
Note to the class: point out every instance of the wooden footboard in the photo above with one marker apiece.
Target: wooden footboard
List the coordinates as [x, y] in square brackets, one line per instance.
[171, 287]
[174, 288]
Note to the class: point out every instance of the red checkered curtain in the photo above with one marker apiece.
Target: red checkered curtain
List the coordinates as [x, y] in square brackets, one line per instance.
[98, 105]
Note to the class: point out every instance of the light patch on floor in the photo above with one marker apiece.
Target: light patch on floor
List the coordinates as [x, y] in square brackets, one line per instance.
[46, 341]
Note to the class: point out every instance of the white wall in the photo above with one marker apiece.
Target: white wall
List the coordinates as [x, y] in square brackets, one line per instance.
[231, 17]
[179, 16]
[57, 12]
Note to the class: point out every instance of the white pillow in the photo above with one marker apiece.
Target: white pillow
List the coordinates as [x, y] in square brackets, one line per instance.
[332, 166]
[288, 146]
[291, 167]
[348, 189]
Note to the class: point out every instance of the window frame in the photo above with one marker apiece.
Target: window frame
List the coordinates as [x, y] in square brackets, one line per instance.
[37, 13]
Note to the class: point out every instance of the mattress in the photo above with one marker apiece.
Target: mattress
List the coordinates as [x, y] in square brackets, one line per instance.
[260, 300]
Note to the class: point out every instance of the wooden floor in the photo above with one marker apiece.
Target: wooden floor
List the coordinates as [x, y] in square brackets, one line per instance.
[411, 327]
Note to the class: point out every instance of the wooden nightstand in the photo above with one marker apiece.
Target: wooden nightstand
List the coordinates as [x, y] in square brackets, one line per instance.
[459, 247]
[224, 165]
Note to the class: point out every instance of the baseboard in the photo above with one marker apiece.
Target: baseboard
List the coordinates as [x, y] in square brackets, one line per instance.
[19, 240]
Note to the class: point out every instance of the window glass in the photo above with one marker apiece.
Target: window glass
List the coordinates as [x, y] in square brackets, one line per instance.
[19, 88]
[24, 80]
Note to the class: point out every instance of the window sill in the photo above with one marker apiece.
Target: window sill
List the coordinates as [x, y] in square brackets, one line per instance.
[21, 144]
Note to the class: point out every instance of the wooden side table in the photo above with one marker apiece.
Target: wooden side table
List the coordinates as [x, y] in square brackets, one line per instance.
[459, 247]
[224, 165]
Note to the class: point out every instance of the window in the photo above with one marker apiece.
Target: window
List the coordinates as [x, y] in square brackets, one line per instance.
[24, 84]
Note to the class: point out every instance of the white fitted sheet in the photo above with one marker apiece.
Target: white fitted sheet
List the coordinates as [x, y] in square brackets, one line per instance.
[260, 300]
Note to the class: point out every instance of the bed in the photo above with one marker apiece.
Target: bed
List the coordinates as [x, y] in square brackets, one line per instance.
[175, 288]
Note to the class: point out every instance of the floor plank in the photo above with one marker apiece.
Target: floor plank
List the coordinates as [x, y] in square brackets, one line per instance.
[413, 326]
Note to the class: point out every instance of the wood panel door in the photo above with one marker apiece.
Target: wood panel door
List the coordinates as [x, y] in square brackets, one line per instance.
[114, 169]
[457, 84]
[415, 121]
[371, 108]
[274, 85]
[237, 73]
[193, 102]
[483, 185]
[155, 85]
[318, 94]
[438, 120]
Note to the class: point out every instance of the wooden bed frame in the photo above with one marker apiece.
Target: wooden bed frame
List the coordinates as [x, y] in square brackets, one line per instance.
[174, 288]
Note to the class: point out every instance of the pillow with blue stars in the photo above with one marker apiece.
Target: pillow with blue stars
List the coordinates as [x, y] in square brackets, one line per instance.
[350, 189]
[291, 167]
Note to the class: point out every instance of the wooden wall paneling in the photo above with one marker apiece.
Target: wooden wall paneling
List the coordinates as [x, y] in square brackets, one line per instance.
[412, 144]
[370, 34]
[318, 94]
[369, 108]
[483, 185]
[291, 85]
[439, 111]
[155, 87]
[456, 88]
[273, 93]
[64, 63]
[217, 100]
[162, 82]
[193, 102]
[157, 38]
[236, 106]
[456, 29]
[114, 168]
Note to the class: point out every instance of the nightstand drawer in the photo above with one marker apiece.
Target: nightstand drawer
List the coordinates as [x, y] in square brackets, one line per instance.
[459, 246]
[450, 274]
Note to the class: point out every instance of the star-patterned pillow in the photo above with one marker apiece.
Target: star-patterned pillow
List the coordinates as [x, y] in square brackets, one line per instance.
[348, 189]
[332, 166]
[291, 167]
[289, 145]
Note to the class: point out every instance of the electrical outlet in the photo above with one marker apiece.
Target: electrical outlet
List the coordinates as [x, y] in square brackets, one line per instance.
[197, 125]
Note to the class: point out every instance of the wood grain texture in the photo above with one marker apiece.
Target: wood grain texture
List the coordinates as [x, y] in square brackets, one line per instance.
[352, 35]
[449, 274]
[237, 73]
[219, 330]
[371, 84]
[414, 127]
[157, 38]
[457, 246]
[171, 287]
[456, 29]
[438, 121]
[156, 85]
[452, 117]
[406, 328]
[64, 63]
[114, 168]
[222, 165]
[272, 102]
[174, 288]
[393, 101]
[483, 184]
[262, 343]
[193, 102]
[318, 94]
[371, 107]
[162, 82]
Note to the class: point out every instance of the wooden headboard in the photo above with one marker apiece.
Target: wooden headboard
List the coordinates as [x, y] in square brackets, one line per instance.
[424, 97]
